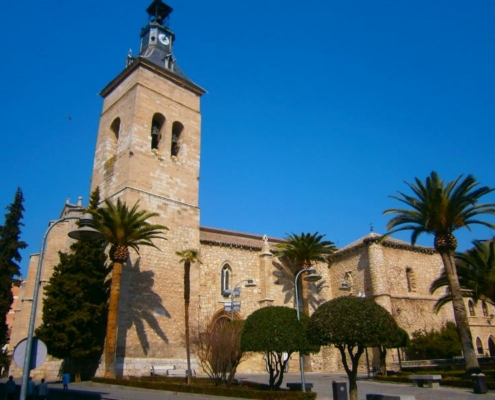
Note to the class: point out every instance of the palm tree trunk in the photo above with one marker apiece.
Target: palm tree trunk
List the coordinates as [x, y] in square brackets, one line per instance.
[187, 297]
[305, 308]
[460, 313]
[112, 322]
[305, 296]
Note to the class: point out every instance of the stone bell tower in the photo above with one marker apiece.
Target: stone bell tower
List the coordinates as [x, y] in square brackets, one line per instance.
[148, 150]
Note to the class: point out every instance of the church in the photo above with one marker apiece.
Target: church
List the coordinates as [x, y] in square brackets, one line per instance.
[148, 150]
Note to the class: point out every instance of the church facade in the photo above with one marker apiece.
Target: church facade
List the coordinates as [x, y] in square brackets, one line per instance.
[148, 150]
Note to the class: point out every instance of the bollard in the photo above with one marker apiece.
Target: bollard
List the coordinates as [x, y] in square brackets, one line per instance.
[479, 383]
[339, 390]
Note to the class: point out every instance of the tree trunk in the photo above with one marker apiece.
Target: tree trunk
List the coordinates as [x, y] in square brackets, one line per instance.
[305, 309]
[305, 295]
[383, 359]
[112, 322]
[187, 297]
[73, 367]
[351, 370]
[460, 313]
[353, 389]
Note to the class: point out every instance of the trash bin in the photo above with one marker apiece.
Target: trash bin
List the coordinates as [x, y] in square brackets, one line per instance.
[479, 383]
[339, 390]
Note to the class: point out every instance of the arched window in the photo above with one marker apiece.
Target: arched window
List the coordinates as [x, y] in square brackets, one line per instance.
[177, 129]
[491, 346]
[484, 307]
[156, 130]
[472, 313]
[411, 280]
[226, 280]
[115, 127]
[479, 346]
[111, 147]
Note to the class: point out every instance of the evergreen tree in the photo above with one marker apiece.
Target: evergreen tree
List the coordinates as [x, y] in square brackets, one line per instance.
[75, 308]
[9, 258]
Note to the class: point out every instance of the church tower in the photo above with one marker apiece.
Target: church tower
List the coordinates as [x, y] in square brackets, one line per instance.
[149, 133]
[148, 150]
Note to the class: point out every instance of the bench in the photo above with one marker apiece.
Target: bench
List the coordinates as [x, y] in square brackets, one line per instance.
[390, 397]
[180, 372]
[431, 381]
[161, 369]
[297, 386]
[375, 370]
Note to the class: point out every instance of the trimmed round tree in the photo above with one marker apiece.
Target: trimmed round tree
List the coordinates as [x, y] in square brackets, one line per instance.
[397, 340]
[351, 324]
[276, 332]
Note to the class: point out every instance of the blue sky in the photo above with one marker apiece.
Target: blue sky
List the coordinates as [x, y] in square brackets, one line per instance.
[316, 111]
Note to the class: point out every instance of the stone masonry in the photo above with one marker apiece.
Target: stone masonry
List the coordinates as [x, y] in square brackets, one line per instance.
[148, 151]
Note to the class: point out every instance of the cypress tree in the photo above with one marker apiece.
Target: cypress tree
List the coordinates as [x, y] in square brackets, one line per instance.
[75, 306]
[10, 245]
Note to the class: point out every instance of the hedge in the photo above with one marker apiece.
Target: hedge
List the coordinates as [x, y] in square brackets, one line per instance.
[205, 386]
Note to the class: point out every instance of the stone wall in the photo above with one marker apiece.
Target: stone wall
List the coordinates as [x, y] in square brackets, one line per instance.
[151, 313]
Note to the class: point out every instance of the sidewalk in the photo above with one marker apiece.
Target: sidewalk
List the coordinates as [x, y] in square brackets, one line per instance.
[322, 385]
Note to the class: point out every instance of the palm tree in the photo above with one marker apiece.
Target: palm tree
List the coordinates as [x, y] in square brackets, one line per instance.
[476, 272]
[187, 258]
[123, 228]
[301, 252]
[440, 209]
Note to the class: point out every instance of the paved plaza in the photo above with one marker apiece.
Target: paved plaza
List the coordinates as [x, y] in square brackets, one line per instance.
[322, 385]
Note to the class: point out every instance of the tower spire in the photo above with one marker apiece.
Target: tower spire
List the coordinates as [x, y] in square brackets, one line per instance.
[158, 12]
[157, 38]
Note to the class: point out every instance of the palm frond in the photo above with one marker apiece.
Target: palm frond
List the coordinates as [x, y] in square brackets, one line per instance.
[189, 255]
[475, 271]
[442, 301]
[126, 227]
[438, 208]
[305, 249]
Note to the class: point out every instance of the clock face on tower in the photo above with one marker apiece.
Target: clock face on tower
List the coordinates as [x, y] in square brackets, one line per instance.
[164, 39]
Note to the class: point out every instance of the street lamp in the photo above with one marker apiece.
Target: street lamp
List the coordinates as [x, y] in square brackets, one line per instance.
[312, 277]
[250, 283]
[86, 231]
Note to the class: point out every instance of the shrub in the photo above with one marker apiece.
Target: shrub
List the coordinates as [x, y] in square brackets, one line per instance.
[200, 386]
[218, 349]
[425, 345]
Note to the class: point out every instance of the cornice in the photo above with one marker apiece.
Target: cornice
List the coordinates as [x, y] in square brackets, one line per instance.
[143, 63]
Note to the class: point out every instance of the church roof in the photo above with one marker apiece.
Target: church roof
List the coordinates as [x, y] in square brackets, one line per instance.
[156, 56]
[225, 238]
[374, 237]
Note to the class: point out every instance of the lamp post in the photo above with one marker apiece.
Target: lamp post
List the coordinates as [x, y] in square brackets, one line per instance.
[86, 231]
[250, 283]
[312, 277]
